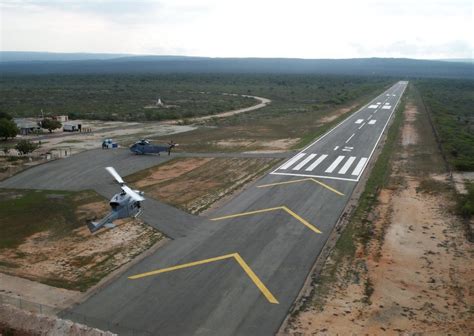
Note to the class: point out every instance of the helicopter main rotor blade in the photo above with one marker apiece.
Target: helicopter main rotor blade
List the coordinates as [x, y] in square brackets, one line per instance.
[114, 173]
[133, 194]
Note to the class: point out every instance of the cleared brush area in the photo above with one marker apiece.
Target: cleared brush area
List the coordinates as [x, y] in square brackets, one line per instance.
[43, 237]
[194, 184]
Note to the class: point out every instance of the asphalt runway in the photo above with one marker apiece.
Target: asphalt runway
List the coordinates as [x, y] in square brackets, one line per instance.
[239, 271]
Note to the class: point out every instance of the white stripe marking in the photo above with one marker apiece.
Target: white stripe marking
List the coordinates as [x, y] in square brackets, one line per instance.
[358, 121]
[386, 107]
[334, 164]
[402, 90]
[359, 166]
[350, 138]
[347, 165]
[305, 161]
[370, 117]
[372, 122]
[316, 176]
[335, 148]
[373, 106]
[316, 163]
[361, 125]
[292, 161]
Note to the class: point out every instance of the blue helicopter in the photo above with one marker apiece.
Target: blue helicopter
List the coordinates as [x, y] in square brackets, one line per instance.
[145, 147]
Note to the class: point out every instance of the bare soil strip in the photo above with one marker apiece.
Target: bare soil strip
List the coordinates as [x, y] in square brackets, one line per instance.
[415, 274]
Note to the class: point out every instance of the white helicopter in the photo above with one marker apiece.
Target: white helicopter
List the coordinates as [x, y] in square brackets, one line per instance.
[124, 204]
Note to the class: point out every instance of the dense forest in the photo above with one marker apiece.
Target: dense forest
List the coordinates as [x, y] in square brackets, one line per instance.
[451, 105]
[398, 67]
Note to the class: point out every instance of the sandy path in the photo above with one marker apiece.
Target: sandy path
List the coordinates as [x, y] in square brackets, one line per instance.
[262, 103]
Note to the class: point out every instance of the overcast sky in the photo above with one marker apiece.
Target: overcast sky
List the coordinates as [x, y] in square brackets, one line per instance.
[243, 28]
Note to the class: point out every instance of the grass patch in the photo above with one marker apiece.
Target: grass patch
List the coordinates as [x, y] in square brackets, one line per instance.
[43, 238]
[465, 203]
[368, 290]
[431, 186]
[26, 212]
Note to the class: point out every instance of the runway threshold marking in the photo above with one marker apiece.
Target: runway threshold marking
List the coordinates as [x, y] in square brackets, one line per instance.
[250, 273]
[303, 180]
[284, 208]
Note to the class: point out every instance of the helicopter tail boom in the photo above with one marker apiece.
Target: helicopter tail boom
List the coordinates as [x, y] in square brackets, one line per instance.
[106, 221]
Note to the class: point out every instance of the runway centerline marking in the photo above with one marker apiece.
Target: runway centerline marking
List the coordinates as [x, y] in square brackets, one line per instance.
[250, 273]
[302, 180]
[350, 137]
[284, 208]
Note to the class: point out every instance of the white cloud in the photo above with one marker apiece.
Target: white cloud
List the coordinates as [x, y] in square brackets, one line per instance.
[260, 28]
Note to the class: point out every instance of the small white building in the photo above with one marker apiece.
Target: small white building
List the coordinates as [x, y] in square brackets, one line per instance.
[61, 118]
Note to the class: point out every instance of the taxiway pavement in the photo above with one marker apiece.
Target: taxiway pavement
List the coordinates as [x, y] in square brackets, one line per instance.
[239, 271]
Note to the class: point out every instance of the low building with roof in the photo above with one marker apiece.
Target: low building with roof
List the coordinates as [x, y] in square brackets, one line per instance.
[27, 126]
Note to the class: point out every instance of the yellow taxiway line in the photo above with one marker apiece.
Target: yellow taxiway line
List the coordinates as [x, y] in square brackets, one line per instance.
[284, 208]
[256, 280]
[303, 180]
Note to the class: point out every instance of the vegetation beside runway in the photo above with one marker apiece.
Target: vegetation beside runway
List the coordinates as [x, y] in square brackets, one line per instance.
[450, 102]
[403, 242]
[450, 105]
[43, 237]
[195, 184]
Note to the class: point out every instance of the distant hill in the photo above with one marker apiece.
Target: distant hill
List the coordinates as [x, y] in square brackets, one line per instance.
[27, 56]
[464, 60]
[398, 67]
